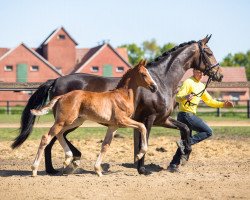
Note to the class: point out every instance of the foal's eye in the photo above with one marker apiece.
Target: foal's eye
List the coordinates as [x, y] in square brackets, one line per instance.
[144, 75]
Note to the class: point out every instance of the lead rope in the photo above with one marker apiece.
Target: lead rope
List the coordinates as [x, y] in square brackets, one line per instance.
[200, 93]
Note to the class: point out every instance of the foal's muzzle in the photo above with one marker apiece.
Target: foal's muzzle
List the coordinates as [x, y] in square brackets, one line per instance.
[153, 88]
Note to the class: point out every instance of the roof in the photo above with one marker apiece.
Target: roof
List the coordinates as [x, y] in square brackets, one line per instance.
[93, 52]
[35, 54]
[231, 74]
[46, 41]
[3, 51]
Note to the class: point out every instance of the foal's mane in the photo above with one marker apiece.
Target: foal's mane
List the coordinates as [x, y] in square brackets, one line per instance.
[167, 53]
[124, 78]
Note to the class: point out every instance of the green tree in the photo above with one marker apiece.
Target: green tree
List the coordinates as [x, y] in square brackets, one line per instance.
[135, 53]
[151, 49]
[238, 59]
[167, 47]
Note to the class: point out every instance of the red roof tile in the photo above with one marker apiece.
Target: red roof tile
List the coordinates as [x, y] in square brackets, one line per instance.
[3, 51]
[123, 52]
[231, 74]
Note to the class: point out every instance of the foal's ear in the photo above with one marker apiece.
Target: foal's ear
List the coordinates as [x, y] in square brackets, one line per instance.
[206, 39]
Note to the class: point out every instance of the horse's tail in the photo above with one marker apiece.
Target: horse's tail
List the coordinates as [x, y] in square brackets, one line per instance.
[37, 100]
[44, 110]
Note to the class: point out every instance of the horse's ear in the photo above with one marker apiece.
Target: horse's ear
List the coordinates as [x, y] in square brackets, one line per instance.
[206, 39]
[144, 62]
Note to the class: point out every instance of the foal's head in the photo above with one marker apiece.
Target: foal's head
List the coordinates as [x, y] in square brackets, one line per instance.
[143, 78]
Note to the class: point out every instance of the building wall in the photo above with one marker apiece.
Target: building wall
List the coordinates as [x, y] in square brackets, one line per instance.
[61, 52]
[109, 57]
[23, 56]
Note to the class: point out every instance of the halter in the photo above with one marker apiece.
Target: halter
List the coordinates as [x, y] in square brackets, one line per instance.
[208, 67]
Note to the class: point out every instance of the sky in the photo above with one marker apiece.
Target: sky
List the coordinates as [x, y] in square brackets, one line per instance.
[131, 21]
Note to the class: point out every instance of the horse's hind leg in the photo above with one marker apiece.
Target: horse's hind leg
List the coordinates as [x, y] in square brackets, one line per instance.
[105, 146]
[54, 130]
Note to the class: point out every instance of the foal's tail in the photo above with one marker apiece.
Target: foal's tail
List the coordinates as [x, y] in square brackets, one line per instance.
[37, 100]
[44, 110]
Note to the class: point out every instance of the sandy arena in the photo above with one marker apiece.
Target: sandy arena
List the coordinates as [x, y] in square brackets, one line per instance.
[219, 168]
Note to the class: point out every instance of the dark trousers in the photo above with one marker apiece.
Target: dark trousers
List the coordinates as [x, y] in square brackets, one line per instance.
[203, 131]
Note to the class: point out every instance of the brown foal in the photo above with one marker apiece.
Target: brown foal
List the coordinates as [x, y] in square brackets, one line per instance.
[113, 109]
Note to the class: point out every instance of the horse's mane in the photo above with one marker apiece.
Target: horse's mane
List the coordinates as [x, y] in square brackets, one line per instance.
[167, 53]
[155, 61]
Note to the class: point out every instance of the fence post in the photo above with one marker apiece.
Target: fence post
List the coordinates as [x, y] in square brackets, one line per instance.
[8, 107]
[248, 108]
[218, 112]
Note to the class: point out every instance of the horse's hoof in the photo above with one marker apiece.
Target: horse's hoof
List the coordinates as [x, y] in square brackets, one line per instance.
[52, 171]
[142, 170]
[173, 168]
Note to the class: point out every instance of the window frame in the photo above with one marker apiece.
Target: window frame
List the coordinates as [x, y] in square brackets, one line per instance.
[8, 70]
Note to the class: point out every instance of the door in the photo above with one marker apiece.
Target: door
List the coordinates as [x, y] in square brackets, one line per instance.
[21, 74]
[107, 71]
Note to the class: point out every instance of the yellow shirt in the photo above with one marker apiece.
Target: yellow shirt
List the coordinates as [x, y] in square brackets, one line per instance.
[191, 85]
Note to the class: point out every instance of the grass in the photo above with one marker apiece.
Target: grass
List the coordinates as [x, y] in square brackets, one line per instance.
[7, 134]
[15, 118]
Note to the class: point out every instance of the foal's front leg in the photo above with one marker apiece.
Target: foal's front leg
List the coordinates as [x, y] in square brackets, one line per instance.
[128, 122]
[105, 146]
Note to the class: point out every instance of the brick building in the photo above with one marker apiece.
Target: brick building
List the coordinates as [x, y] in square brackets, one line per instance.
[57, 56]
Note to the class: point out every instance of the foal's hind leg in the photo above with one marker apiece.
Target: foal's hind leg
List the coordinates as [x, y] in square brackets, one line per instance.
[54, 130]
[105, 146]
[63, 143]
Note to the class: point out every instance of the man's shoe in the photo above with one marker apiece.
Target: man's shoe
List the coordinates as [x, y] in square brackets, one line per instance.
[181, 146]
[173, 168]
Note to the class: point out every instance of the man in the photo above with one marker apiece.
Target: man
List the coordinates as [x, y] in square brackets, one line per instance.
[188, 102]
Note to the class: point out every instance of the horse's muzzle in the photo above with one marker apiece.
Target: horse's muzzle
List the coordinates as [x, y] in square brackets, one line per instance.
[153, 88]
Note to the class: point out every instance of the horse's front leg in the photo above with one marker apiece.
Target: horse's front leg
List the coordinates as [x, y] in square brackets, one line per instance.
[105, 146]
[148, 122]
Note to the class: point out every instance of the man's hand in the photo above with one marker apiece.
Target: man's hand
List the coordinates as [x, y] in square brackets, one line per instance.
[228, 104]
[189, 97]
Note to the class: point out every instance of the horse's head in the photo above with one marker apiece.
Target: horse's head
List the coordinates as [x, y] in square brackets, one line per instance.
[143, 77]
[207, 62]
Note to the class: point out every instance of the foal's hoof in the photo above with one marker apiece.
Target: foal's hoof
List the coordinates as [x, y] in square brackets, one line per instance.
[76, 163]
[34, 171]
[139, 156]
[99, 174]
[142, 170]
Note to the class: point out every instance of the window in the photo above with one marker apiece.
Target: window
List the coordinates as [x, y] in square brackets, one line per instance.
[120, 69]
[8, 68]
[34, 68]
[95, 69]
[61, 37]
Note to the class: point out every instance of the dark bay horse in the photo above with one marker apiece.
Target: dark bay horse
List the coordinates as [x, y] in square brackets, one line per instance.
[151, 109]
[112, 108]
